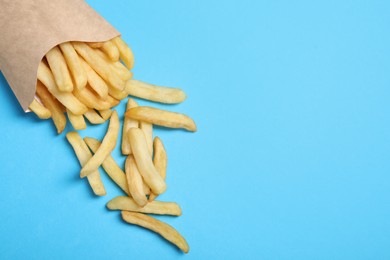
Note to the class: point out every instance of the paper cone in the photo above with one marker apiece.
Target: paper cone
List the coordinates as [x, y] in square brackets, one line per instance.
[30, 28]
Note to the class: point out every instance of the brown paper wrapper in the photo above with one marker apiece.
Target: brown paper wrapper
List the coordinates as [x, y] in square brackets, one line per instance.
[30, 28]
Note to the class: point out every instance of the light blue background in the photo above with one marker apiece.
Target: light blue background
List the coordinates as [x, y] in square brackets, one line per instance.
[292, 156]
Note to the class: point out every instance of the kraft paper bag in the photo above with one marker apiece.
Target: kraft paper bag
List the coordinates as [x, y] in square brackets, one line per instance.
[30, 28]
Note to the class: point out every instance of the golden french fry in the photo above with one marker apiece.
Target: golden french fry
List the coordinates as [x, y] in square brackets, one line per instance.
[94, 80]
[40, 110]
[160, 161]
[84, 155]
[110, 166]
[155, 93]
[93, 117]
[77, 121]
[125, 52]
[99, 64]
[161, 228]
[122, 71]
[134, 181]
[95, 45]
[117, 67]
[144, 161]
[111, 50]
[60, 71]
[154, 207]
[117, 94]
[74, 65]
[67, 99]
[56, 109]
[127, 124]
[147, 128]
[105, 114]
[113, 102]
[108, 144]
[161, 117]
[145, 187]
[89, 98]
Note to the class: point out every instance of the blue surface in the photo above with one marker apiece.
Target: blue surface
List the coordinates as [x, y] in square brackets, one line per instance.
[291, 160]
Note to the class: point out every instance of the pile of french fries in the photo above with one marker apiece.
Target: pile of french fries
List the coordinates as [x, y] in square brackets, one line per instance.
[86, 80]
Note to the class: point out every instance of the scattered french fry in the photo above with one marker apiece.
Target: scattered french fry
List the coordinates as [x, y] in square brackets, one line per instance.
[66, 98]
[125, 52]
[40, 110]
[105, 114]
[99, 64]
[74, 65]
[94, 80]
[134, 182]
[161, 117]
[161, 228]
[108, 144]
[127, 124]
[155, 93]
[77, 121]
[84, 155]
[160, 161]
[144, 161]
[53, 105]
[93, 117]
[147, 128]
[154, 207]
[111, 50]
[110, 166]
[59, 68]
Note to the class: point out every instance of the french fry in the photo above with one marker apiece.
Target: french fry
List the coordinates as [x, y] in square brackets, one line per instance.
[74, 65]
[111, 50]
[40, 110]
[77, 121]
[93, 117]
[108, 144]
[134, 181]
[99, 64]
[117, 67]
[110, 166]
[113, 102]
[160, 161]
[154, 207]
[125, 52]
[67, 99]
[84, 155]
[95, 45]
[94, 80]
[144, 161]
[155, 93]
[105, 114]
[53, 105]
[145, 187]
[161, 228]
[117, 94]
[127, 124]
[161, 117]
[122, 71]
[89, 98]
[59, 69]
[147, 128]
